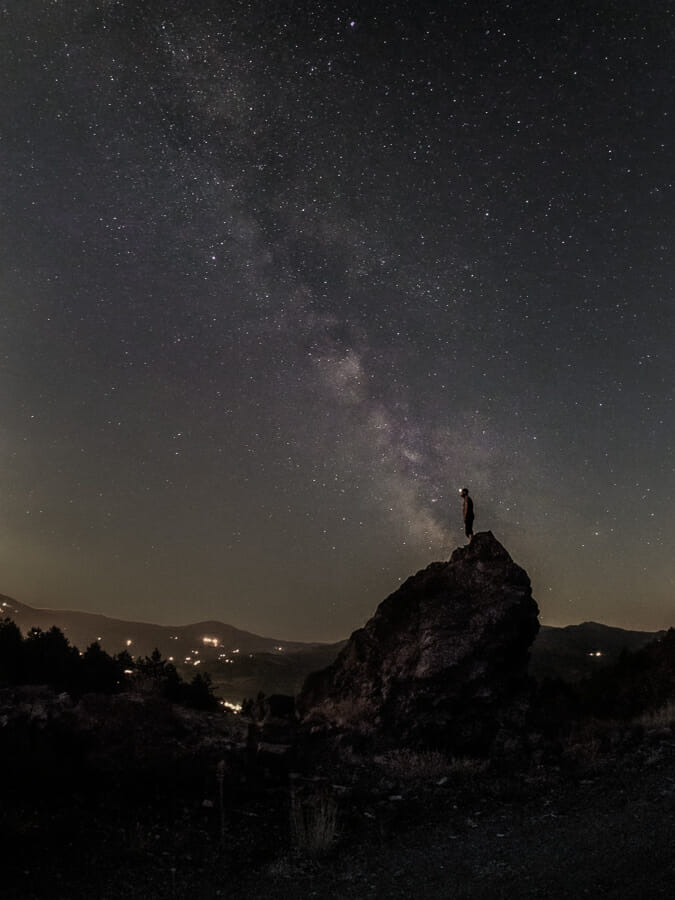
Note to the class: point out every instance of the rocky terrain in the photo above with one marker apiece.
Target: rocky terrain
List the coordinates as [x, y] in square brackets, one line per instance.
[424, 761]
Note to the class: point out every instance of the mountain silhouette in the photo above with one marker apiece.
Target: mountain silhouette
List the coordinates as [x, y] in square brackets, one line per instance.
[278, 666]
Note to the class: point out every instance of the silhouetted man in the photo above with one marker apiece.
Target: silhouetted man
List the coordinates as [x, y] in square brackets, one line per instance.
[467, 512]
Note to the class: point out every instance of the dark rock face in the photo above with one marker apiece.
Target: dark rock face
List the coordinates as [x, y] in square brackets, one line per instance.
[443, 662]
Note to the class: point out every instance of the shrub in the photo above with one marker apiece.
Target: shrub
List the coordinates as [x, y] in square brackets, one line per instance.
[417, 765]
[313, 819]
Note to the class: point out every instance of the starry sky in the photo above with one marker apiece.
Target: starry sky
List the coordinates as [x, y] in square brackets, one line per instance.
[277, 279]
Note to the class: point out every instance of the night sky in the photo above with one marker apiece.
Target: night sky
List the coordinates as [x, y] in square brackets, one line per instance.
[278, 279]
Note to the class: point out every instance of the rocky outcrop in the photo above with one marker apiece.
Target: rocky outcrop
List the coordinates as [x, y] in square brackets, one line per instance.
[443, 662]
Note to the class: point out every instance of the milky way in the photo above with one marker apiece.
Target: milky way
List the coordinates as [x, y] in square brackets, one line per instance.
[277, 279]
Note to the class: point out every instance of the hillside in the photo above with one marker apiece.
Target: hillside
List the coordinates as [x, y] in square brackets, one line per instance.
[577, 651]
[242, 663]
[206, 639]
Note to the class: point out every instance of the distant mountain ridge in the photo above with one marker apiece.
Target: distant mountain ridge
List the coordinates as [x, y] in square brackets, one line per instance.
[574, 651]
[83, 628]
[242, 663]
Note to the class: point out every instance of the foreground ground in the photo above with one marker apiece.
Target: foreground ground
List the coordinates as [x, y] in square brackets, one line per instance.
[150, 802]
[608, 830]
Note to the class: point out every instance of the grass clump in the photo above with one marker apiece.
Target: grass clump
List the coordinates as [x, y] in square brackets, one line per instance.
[420, 765]
[663, 717]
[313, 821]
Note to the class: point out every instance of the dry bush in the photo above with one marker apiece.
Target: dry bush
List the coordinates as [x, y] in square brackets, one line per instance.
[413, 765]
[592, 742]
[664, 717]
[314, 820]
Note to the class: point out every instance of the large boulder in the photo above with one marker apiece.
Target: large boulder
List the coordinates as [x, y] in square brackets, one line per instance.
[443, 662]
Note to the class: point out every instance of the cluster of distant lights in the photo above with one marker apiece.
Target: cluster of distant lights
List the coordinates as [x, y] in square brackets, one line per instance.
[207, 641]
[214, 642]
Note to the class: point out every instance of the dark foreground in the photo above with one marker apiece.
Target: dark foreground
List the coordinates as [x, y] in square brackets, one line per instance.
[131, 797]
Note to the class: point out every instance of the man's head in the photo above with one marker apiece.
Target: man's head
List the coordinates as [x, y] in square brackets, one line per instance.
[464, 492]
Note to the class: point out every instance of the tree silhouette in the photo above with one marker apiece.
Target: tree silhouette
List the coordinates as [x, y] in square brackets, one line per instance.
[99, 672]
[49, 658]
[11, 652]
[46, 657]
[199, 693]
